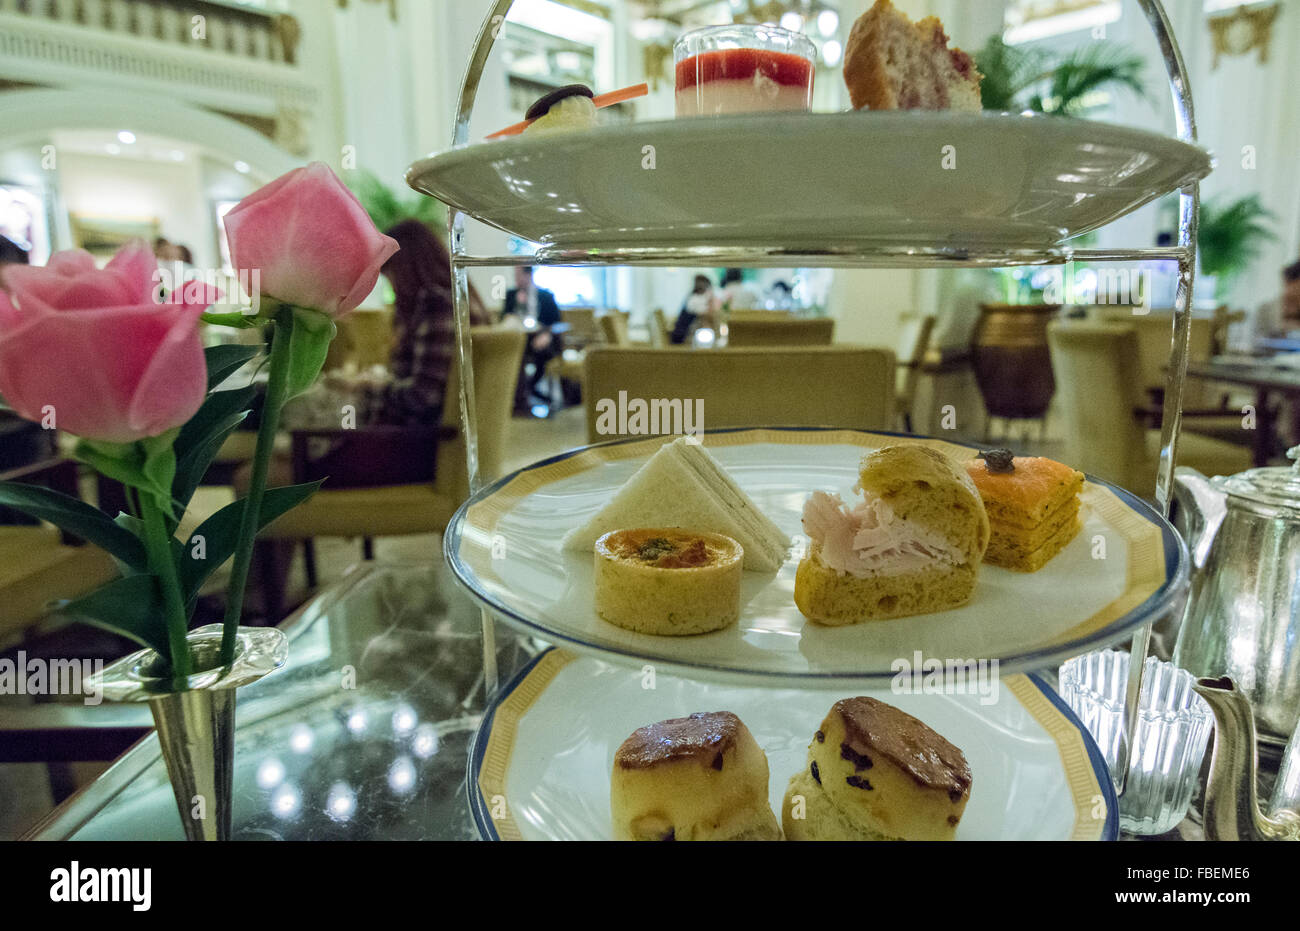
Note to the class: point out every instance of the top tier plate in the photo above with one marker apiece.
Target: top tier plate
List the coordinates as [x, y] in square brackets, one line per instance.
[810, 183]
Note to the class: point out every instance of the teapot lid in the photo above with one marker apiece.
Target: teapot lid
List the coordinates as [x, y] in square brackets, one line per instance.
[1275, 486]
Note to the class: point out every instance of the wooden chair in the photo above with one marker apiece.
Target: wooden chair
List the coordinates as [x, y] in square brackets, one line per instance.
[364, 338]
[40, 565]
[913, 343]
[835, 386]
[583, 329]
[1100, 397]
[779, 331]
[399, 503]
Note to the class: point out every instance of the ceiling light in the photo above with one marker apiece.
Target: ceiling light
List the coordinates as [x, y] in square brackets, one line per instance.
[827, 22]
[831, 52]
[126, 137]
[242, 167]
[792, 21]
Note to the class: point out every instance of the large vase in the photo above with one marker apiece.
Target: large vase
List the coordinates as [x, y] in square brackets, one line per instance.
[1013, 365]
[196, 724]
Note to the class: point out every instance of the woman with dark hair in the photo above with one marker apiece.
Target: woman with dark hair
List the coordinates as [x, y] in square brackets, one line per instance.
[424, 328]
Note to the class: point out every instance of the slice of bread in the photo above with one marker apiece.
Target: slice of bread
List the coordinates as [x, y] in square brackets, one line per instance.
[924, 487]
[891, 63]
[836, 599]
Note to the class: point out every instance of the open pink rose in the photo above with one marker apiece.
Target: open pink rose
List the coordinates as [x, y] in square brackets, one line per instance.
[310, 240]
[94, 352]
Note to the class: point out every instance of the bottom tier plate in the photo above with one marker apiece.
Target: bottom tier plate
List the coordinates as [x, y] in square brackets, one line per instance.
[541, 761]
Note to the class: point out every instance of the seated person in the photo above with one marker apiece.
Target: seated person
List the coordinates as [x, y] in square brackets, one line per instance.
[535, 307]
[424, 329]
[1281, 317]
[699, 309]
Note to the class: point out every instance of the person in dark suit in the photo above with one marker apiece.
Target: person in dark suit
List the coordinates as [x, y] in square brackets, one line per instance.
[535, 307]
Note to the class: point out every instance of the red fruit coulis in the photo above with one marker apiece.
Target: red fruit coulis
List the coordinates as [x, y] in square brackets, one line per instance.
[741, 64]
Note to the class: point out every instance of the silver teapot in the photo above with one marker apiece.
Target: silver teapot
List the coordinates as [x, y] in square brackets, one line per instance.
[1243, 613]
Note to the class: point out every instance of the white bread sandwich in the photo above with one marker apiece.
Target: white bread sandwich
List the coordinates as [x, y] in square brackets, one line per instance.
[683, 486]
[912, 545]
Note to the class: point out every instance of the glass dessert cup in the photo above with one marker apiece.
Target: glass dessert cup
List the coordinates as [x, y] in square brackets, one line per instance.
[723, 70]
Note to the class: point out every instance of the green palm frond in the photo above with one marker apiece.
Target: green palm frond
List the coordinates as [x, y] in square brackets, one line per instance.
[386, 208]
[1091, 68]
[1009, 70]
[1230, 236]
[1018, 78]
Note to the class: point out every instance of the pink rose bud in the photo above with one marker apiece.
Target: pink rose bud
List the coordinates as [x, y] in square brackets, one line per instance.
[309, 240]
[93, 353]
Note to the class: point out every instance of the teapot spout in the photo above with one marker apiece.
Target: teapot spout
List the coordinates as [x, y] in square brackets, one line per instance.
[1202, 506]
[1231, 801]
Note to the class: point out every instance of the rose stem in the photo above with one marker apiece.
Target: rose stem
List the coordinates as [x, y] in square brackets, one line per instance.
[163, 563]
[276, 386]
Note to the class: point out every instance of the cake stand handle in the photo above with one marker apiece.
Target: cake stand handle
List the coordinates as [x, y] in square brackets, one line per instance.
[487, 36]
[1171, 421]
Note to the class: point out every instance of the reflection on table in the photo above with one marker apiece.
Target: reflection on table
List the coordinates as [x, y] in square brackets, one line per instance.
[364, 735]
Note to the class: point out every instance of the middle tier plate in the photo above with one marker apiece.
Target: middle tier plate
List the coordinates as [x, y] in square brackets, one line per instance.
[1126, 567]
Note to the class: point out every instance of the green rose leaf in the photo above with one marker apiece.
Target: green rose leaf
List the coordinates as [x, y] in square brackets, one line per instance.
[224, 361]
[132, 607]
[76, 517]
[310, 336]
[214, 540]
[148, 465]
[193, 464]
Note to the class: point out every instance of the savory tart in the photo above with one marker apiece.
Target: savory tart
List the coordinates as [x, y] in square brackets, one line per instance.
[666, 580]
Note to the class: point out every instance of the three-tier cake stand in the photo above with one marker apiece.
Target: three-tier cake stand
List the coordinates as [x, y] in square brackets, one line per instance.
[852, 256]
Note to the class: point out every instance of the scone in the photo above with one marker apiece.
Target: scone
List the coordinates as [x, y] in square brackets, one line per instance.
[891, 63]
[877, 773]
[668, 581]
[1033, 507]
[701, 777]
[912, 545]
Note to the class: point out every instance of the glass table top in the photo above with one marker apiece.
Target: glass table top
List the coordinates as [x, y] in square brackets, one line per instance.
[363, 735]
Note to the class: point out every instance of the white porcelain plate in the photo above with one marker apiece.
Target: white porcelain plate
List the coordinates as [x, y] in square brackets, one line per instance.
[1125, 567]
[813, 182]
[542, 759]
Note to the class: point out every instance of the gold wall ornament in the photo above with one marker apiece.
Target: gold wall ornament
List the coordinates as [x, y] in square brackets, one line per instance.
[1242, 30]
[654, 61]
[392, 7]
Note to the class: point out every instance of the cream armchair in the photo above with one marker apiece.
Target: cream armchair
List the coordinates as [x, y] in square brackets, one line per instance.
[831, 386]
[1099, 392]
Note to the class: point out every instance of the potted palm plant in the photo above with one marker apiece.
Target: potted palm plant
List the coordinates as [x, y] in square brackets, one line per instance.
[1228, 238]
[1017, 78]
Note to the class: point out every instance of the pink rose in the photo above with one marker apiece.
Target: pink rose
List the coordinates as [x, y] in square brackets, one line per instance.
[310, 240]
[95, 350]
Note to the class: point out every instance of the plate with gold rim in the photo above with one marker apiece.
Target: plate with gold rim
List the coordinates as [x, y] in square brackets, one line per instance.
[1127, 566]
[540, 765]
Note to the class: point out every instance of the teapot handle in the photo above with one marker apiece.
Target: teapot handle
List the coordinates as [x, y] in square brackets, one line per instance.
[1205, 507]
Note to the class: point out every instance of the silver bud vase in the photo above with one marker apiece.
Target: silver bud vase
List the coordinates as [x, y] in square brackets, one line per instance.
[196, 724]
